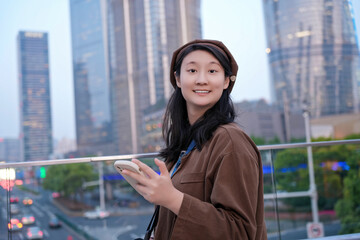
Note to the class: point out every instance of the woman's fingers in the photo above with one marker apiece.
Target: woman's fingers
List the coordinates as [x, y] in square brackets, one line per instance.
[162, 167]
[149, 171]
[157, 189]
[133, 175]
[145, 168]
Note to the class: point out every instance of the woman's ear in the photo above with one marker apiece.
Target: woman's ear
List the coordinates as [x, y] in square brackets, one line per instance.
[177, 78]
[226, 83]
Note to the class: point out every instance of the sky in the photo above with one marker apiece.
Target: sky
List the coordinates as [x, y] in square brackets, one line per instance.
[237, 23]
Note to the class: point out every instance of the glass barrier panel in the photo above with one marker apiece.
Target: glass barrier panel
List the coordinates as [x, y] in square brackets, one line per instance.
[67, 202]
[93, 201]
[270, 205]
[336, 175]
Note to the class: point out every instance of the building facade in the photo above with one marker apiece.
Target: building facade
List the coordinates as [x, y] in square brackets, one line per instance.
[121, 56]
[34, 93]
[313, 55]
[142, 37]
[336, 127]
[262, 120]
[152, 138]
[91, 81]
[10, 150]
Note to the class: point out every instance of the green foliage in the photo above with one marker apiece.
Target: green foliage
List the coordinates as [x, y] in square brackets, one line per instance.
[297, 140]
[26, 189]
[348, 208]
[262, 141]
[329, 177]
[353, 136]
[258, 140]
[291, 173]
[321, 139]
[68, 178]
[275, 140]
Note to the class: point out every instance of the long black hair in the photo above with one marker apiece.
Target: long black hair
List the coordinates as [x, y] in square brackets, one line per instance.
[177, 131]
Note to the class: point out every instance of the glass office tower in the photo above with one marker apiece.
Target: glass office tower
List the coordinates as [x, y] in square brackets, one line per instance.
[90, 71]
[313, 55]
[121, 56]
[142, 37]
[34, 94]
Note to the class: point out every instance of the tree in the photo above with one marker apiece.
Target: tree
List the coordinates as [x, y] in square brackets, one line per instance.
[274, 140]
[69, 178]
[258, 140]
[329, 174]
[353, 136]
[348, 208]
[291, 174]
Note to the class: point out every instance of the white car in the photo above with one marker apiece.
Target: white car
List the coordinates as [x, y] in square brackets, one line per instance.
[14, 209]
[34, 233]
[97, 213]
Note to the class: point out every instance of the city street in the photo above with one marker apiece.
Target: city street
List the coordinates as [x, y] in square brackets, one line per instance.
[41, 209]
[129, 225]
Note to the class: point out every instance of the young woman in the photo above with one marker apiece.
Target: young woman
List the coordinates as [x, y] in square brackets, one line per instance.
[210, 185]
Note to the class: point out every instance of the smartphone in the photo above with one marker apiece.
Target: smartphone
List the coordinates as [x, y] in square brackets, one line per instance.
[120, 165]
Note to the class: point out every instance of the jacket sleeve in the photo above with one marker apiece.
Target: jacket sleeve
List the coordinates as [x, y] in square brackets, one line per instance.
[232, 210]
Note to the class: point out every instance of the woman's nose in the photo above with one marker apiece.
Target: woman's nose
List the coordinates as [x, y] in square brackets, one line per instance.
[201, 78]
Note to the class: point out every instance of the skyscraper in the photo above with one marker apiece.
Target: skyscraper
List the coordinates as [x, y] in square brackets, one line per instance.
[91, 82]
[121, 57]
[142, 37]
[34, 94]
[10, 150]
[355, 10]
[313, 54]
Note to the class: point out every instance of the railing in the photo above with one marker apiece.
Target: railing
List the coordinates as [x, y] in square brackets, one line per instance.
[285, 217]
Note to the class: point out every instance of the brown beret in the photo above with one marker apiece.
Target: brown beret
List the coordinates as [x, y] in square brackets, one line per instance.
[217, 44]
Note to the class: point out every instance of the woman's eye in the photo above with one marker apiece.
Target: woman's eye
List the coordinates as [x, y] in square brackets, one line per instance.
[212, 71]
[191, 70]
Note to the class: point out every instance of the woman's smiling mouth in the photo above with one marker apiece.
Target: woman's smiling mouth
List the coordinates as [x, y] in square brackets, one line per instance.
[201, 91]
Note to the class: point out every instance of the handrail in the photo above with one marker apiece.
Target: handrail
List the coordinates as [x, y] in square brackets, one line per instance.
[352, 236]
[75, 160]
[311, 144]
[155, 154]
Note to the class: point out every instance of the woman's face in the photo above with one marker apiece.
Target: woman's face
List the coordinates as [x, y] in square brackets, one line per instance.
[202, 81]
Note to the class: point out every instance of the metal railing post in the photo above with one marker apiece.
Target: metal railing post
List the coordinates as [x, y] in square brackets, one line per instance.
[101, 186]
[313, 191]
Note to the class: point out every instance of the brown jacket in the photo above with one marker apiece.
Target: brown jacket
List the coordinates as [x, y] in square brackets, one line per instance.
[223, 186]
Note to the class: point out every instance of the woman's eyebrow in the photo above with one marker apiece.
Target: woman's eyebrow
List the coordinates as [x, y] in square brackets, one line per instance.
[193, 62]
[215, 63]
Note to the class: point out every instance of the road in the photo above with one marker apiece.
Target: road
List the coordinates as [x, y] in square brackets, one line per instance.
[114, 227]
[41, 209]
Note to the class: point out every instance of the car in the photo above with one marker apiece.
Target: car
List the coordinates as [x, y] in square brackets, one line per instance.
[128, 202]
[28, 219]
[97, 213]
[15, 225]
[34, 233]
[27, 201]
[54, 222]
[56, 195]
[14, 199]
[14, 209]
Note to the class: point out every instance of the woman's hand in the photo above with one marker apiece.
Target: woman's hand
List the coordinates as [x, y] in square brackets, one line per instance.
[157, 189]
